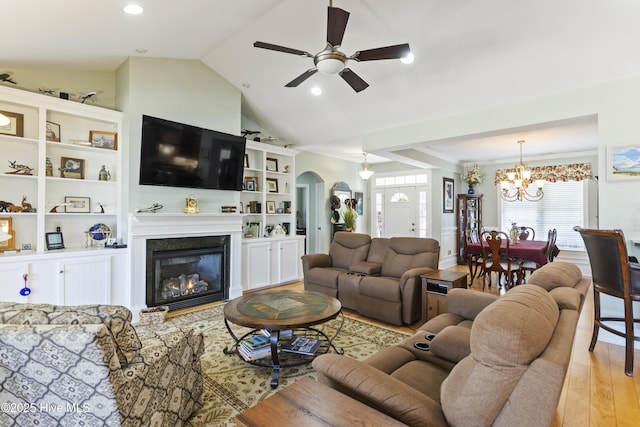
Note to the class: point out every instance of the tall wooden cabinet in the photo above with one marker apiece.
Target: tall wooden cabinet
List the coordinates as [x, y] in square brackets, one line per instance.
[469, 217]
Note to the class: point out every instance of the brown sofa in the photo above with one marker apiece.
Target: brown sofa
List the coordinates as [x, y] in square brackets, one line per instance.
[491, 360]
[379, 277]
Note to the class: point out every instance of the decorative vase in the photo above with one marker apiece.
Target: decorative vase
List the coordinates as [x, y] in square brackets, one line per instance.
[471, 190]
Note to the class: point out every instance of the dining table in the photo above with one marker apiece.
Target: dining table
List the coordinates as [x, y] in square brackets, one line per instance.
[528, 250]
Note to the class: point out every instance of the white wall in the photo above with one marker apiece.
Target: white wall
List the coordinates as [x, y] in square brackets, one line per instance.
[333, 170]
[184, 91]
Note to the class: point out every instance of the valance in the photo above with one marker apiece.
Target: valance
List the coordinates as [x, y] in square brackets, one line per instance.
[553, 173]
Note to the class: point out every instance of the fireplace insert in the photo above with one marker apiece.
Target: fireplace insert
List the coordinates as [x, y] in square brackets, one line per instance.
[187, 271]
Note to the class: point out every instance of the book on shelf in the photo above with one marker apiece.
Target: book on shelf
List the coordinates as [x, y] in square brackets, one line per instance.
[302, 345]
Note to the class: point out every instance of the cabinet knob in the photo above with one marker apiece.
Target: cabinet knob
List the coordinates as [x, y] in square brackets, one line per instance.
[61, 271]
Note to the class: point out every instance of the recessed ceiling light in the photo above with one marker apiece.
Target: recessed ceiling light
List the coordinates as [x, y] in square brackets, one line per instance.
[407, 59]
[316, 91]
[141, 50]
[133, 9]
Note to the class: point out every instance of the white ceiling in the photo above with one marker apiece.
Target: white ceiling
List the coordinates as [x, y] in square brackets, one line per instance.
[469, 55]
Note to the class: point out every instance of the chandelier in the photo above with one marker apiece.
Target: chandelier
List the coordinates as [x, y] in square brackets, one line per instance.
[517, 183]
[365, 173]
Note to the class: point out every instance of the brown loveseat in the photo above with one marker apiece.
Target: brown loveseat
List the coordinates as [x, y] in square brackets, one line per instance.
[379, 277]
[491, 360]
[88, 365]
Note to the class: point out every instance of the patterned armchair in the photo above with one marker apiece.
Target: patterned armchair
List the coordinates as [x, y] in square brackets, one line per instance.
[87, 365]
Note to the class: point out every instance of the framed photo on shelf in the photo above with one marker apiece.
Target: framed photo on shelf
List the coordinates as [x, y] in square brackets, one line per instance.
[272, 185]
[272, 164]
[271, 207]
[15, 126]
[104, 139]
[251, 183]
[53, 132]
[77, 204]
[54, 240]
[447, 195]
[71, 168]
[6, 228]
[623, 162]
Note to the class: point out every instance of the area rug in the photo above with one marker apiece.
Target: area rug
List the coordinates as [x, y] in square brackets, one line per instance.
[232, 385]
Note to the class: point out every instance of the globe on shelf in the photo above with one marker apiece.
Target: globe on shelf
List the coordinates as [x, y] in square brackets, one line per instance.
[98, 233]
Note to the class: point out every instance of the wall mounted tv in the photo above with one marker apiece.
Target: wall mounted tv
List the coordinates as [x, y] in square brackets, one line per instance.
[179, 155]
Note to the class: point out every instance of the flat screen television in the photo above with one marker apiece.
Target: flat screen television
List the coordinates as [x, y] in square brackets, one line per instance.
[179, 155]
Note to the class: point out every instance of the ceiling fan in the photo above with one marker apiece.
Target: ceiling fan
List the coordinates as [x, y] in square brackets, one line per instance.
[331, 60]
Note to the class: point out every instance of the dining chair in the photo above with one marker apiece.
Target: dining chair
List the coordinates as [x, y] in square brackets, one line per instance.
[474, 260]
[550, 250]
[612, 274]
[526, 233]
[496, 259]
[531, 266]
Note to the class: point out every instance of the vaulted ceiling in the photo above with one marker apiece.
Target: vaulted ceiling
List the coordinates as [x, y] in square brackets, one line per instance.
[469, 55]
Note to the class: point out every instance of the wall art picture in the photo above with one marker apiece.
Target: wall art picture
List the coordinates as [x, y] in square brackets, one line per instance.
[15, 126]
[623, 162]
[71, 168]
[53, 132]
[447, 195]
[272, 164]
[272, 185]
[103, 139]
[77, 204]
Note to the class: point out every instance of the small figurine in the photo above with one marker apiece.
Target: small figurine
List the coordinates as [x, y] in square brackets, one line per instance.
[19, 169]
[49, 168]
[104, 174]
[27, 207]
[153, 208]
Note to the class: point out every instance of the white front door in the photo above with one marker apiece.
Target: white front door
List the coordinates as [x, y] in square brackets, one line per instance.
[400, 212]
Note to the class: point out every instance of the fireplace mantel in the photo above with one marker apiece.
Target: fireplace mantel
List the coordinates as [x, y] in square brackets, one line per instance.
[143, 226]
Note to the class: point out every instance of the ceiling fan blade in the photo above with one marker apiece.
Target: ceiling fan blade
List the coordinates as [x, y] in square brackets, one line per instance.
[302, 77]
[388, 52]
[277, 48]
[336, 25]
[354, 80]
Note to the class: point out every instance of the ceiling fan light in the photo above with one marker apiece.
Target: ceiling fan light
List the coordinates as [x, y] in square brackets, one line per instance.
[4, 120]
[330, 66]
[316, 91]
[408, 59]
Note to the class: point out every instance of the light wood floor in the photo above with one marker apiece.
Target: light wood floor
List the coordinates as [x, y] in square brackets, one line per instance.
[596, 391]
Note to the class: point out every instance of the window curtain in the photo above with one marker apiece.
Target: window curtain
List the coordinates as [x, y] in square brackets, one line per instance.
[554, 173]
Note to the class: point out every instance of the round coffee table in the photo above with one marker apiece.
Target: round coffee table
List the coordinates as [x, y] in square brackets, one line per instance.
[276, 311]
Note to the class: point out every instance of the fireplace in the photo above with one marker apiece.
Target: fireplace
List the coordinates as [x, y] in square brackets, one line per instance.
[187, 271]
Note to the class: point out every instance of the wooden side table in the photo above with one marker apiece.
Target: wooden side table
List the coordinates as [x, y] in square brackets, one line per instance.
[309, 403]
[435, 286]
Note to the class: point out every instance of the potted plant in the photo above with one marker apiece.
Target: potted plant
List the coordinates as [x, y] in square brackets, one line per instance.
[349, 216]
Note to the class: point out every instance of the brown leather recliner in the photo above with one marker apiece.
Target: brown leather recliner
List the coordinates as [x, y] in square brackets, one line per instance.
[321, 271]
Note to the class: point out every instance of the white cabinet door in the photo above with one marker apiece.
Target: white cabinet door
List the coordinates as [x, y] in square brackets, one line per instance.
[85, 280]
[257, 265]
[12, 281]
[288, 259]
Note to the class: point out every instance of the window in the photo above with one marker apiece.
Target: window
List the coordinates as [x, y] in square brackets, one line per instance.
[562, 207]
